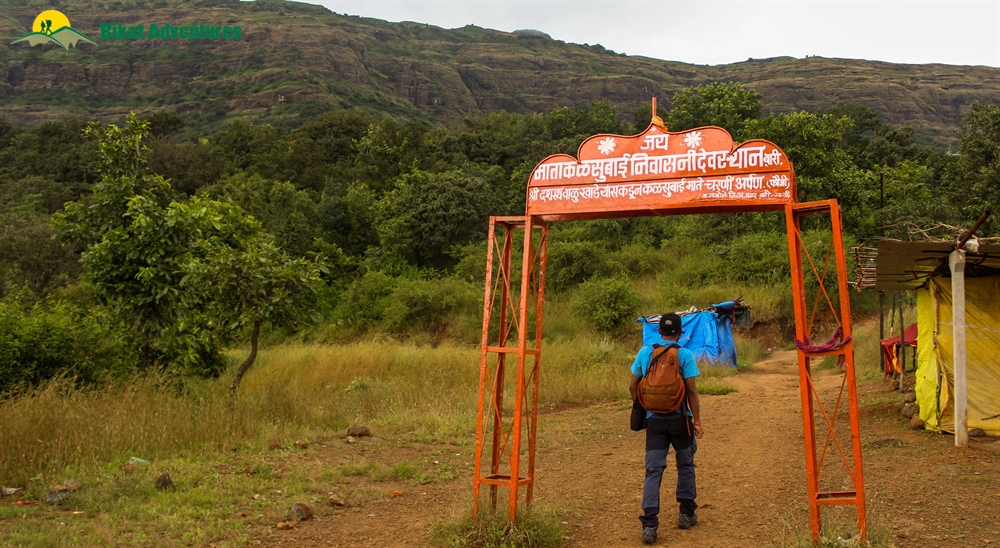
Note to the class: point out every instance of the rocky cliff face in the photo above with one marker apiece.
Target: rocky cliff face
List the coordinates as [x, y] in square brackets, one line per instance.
[295, 60]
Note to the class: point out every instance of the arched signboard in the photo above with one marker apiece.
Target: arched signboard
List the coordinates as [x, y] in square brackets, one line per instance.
[616, 175]
[654, 173]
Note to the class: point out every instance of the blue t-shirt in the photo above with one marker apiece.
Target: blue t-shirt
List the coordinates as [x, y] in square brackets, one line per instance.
[689, 368]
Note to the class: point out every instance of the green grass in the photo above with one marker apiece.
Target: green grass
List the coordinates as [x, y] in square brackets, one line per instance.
[838, 534]
[537, 528]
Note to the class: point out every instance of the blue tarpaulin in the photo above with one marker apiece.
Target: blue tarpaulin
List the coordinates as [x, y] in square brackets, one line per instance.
[707, 333]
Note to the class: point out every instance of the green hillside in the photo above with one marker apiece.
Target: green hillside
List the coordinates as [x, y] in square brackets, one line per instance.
[317, 60]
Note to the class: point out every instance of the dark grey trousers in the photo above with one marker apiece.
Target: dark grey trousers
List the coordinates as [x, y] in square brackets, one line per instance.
[660, 435]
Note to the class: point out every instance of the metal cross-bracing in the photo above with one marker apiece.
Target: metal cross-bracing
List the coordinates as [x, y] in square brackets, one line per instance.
[842, 347]
[660, 173]
[518, 311]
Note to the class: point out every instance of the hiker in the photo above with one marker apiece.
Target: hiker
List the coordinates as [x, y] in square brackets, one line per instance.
[678, 423]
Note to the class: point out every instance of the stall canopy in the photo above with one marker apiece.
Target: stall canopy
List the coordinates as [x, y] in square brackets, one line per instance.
[707, 333]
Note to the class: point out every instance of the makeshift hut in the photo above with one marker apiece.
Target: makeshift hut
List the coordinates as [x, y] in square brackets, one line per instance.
[707, 333]
[934, 270]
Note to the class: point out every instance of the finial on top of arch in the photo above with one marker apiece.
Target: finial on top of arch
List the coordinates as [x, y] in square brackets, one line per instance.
[656, 120]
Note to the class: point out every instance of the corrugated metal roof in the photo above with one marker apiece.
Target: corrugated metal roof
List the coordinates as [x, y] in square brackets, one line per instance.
[908, 265]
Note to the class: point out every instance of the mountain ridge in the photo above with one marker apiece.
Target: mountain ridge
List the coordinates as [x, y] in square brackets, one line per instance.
[296, 60]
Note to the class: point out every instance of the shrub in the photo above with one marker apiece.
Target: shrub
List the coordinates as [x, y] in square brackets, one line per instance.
[364, 301]
[49, 339]
[570, 263]
[606, 304]
[427, 305]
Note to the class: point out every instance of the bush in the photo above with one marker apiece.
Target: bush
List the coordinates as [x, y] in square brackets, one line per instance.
[49, 339]
[427, 305]
[570, 263]
[364, 300]
[606, 304]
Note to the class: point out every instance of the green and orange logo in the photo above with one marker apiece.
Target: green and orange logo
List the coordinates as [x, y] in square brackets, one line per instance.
[53, 27]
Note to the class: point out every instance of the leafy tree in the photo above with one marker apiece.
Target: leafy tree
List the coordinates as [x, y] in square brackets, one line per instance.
[173, 269]
[725, 104]
[290, 215]
[189, 166]
[164, 123]
[426, 214]
[974, 179]
[247, 283]
[31, 257]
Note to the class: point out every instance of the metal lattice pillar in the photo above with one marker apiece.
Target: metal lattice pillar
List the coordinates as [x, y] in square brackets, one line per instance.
[810, 396]
[517, 312]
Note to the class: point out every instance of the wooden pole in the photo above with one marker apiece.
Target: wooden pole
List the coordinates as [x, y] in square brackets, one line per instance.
[956, 260]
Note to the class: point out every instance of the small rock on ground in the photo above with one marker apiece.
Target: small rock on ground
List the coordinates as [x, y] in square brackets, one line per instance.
[977, 433]
[71, 485]
[275, 447]
[301, 444]
[351, 439]
[358, 431]
[909, 397]
[334, 500]
[301, 511]
[909, 410]
[56, 496]
[285, 525]
[165, 482]
[916, 423]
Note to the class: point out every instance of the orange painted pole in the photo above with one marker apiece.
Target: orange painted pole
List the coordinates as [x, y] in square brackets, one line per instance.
[801, 317]
[852, 389]
[483, 367]
[522, 347]
[498, 381]
[543, 246]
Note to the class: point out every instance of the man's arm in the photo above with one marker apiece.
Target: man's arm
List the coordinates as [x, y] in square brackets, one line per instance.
[691, 384]
[633, 387]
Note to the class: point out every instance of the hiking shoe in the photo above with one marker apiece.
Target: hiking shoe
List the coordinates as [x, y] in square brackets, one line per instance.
[649, 535]
[686, 521]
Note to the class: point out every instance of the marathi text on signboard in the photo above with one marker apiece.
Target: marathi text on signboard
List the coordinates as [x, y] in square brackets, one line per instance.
[661, 170]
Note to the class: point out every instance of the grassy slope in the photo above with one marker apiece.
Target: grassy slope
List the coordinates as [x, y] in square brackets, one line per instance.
[318, 60]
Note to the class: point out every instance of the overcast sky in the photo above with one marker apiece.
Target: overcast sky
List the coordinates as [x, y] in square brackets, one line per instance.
[716, 32]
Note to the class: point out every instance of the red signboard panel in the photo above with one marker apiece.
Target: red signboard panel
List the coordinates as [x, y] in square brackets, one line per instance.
[660, 170]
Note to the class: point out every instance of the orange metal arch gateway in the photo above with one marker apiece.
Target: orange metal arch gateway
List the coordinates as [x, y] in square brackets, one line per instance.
[654, 173]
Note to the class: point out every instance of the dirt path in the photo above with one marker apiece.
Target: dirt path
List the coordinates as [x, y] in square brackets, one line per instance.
[751, 477]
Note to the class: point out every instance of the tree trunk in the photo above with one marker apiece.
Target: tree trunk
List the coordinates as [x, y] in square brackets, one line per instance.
[246, 364]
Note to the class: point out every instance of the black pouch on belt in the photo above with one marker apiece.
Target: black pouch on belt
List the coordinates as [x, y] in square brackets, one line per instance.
[638, 419]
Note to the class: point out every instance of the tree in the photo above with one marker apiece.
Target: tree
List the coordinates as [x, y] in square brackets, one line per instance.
[288, 214]
[974, 179]
[248, 283]
[426, 214]
[186, 276]
[724, 104]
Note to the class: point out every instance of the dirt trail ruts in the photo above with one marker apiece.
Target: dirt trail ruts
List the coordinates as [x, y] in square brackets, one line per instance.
[751, 476]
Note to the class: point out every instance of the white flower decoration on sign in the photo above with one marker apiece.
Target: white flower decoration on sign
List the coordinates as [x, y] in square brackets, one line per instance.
[693, 139]
[606, 145]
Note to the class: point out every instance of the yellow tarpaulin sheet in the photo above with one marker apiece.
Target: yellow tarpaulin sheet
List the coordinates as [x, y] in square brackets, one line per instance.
[935, 377]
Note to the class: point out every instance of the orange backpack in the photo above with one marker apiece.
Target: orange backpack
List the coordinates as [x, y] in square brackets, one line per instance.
[662, 390]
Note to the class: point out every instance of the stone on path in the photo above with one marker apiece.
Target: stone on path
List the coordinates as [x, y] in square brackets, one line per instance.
[301, 511]
[358, 431]
[334, 500]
